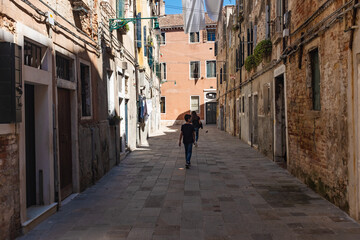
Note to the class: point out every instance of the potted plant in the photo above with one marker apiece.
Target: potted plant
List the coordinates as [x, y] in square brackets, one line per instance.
[114, 120]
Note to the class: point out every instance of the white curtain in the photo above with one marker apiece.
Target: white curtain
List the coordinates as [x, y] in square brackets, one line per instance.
[194, 15]
[213, 8]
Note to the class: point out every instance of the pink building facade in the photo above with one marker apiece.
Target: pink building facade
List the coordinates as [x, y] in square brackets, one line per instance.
[188, 71]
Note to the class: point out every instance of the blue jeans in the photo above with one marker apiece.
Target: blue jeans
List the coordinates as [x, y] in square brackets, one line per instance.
[196, 134]
[188, 152]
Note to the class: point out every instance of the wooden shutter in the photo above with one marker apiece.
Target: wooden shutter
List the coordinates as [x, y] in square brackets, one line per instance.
[204, 34]
[138, 30]
[10, 83]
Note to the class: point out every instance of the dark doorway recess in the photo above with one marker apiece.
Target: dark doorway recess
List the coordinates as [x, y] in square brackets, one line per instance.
[30, 145]
[65, 149]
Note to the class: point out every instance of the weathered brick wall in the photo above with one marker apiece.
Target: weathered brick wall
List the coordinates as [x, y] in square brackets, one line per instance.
[9, 187]
[318, 140]
[94, 153]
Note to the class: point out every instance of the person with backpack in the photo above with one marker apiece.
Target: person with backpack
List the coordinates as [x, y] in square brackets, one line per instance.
[196, 122]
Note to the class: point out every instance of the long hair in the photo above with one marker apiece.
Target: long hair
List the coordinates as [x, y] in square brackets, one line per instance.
[193, 115]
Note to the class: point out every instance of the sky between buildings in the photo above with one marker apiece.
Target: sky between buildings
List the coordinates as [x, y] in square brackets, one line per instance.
[175, 6]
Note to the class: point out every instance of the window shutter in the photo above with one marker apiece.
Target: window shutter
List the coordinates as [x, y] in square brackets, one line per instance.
[10, 83]
[145, 43]
[216, 48]
[255, 35]
[138, 30]
[204, 33]
[267, 22]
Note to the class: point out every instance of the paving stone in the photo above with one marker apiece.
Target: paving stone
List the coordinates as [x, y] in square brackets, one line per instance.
[230, 192]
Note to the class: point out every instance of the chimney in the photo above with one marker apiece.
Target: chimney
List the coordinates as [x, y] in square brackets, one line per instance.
[162, 8]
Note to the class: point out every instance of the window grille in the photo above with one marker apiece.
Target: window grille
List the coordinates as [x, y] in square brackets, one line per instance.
[32, 55]
[85, 90]
[63, 67]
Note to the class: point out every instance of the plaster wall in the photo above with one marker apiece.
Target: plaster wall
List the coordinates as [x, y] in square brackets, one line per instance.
[177, 54]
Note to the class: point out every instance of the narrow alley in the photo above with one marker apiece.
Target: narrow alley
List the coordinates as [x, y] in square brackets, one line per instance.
[230, 192]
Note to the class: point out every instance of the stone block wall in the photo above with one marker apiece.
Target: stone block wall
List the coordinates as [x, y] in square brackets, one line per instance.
[9, 187]
[95, 156]
[318, 140]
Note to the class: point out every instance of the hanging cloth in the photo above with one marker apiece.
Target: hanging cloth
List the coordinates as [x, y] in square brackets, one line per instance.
[213, 8]
[194, 15]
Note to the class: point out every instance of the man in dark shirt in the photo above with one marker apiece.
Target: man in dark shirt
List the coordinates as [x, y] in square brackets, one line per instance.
[188, 135]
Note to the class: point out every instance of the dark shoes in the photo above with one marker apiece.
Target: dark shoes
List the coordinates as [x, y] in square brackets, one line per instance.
[187, 165]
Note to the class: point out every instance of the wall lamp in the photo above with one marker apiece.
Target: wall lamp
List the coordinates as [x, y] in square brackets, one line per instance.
[165, 81]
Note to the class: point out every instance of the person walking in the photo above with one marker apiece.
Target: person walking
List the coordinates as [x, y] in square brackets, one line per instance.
[196, 122]
[188, 135]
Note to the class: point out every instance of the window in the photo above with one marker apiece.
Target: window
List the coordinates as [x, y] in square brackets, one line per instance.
[266, 98]
[195, 104]
[195, 69]
[145, 43]
[194, 37]
[315, 79]
[162, 105]
[33, 55]
[163, 71]
[221, 76]
[211, 95]
[250, 39]
[211, 35]
[63, 67]
[85, 90]
[243, 104]
[120, 8]
[210, 69]
[162, 38]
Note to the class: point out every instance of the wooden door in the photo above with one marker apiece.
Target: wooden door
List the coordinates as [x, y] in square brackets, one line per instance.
[211, 113]
[65, 150]
[30, 145]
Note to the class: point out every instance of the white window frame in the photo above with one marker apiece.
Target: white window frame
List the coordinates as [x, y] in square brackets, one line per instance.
[165, 70]
[190, 70]
[90, 83]
[165, 104]
[206, 67]
[163, 44]
[199, 103]
[190, 38]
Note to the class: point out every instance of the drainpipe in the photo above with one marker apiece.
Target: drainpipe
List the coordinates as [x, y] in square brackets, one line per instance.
[56, 169]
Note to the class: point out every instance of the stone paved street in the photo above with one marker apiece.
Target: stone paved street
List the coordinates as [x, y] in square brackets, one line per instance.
[230, 192]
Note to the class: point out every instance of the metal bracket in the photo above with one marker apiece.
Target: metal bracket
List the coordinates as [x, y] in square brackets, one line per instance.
[116, 23]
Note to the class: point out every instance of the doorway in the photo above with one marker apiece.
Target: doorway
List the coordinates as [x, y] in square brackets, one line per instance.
[211, 112]
[65, 142]
[255, 123]
[280, 150]
[126, 124]
[30, 145]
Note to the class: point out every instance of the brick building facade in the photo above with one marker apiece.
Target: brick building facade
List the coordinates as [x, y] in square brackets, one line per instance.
[69, 97]
[298, 105]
